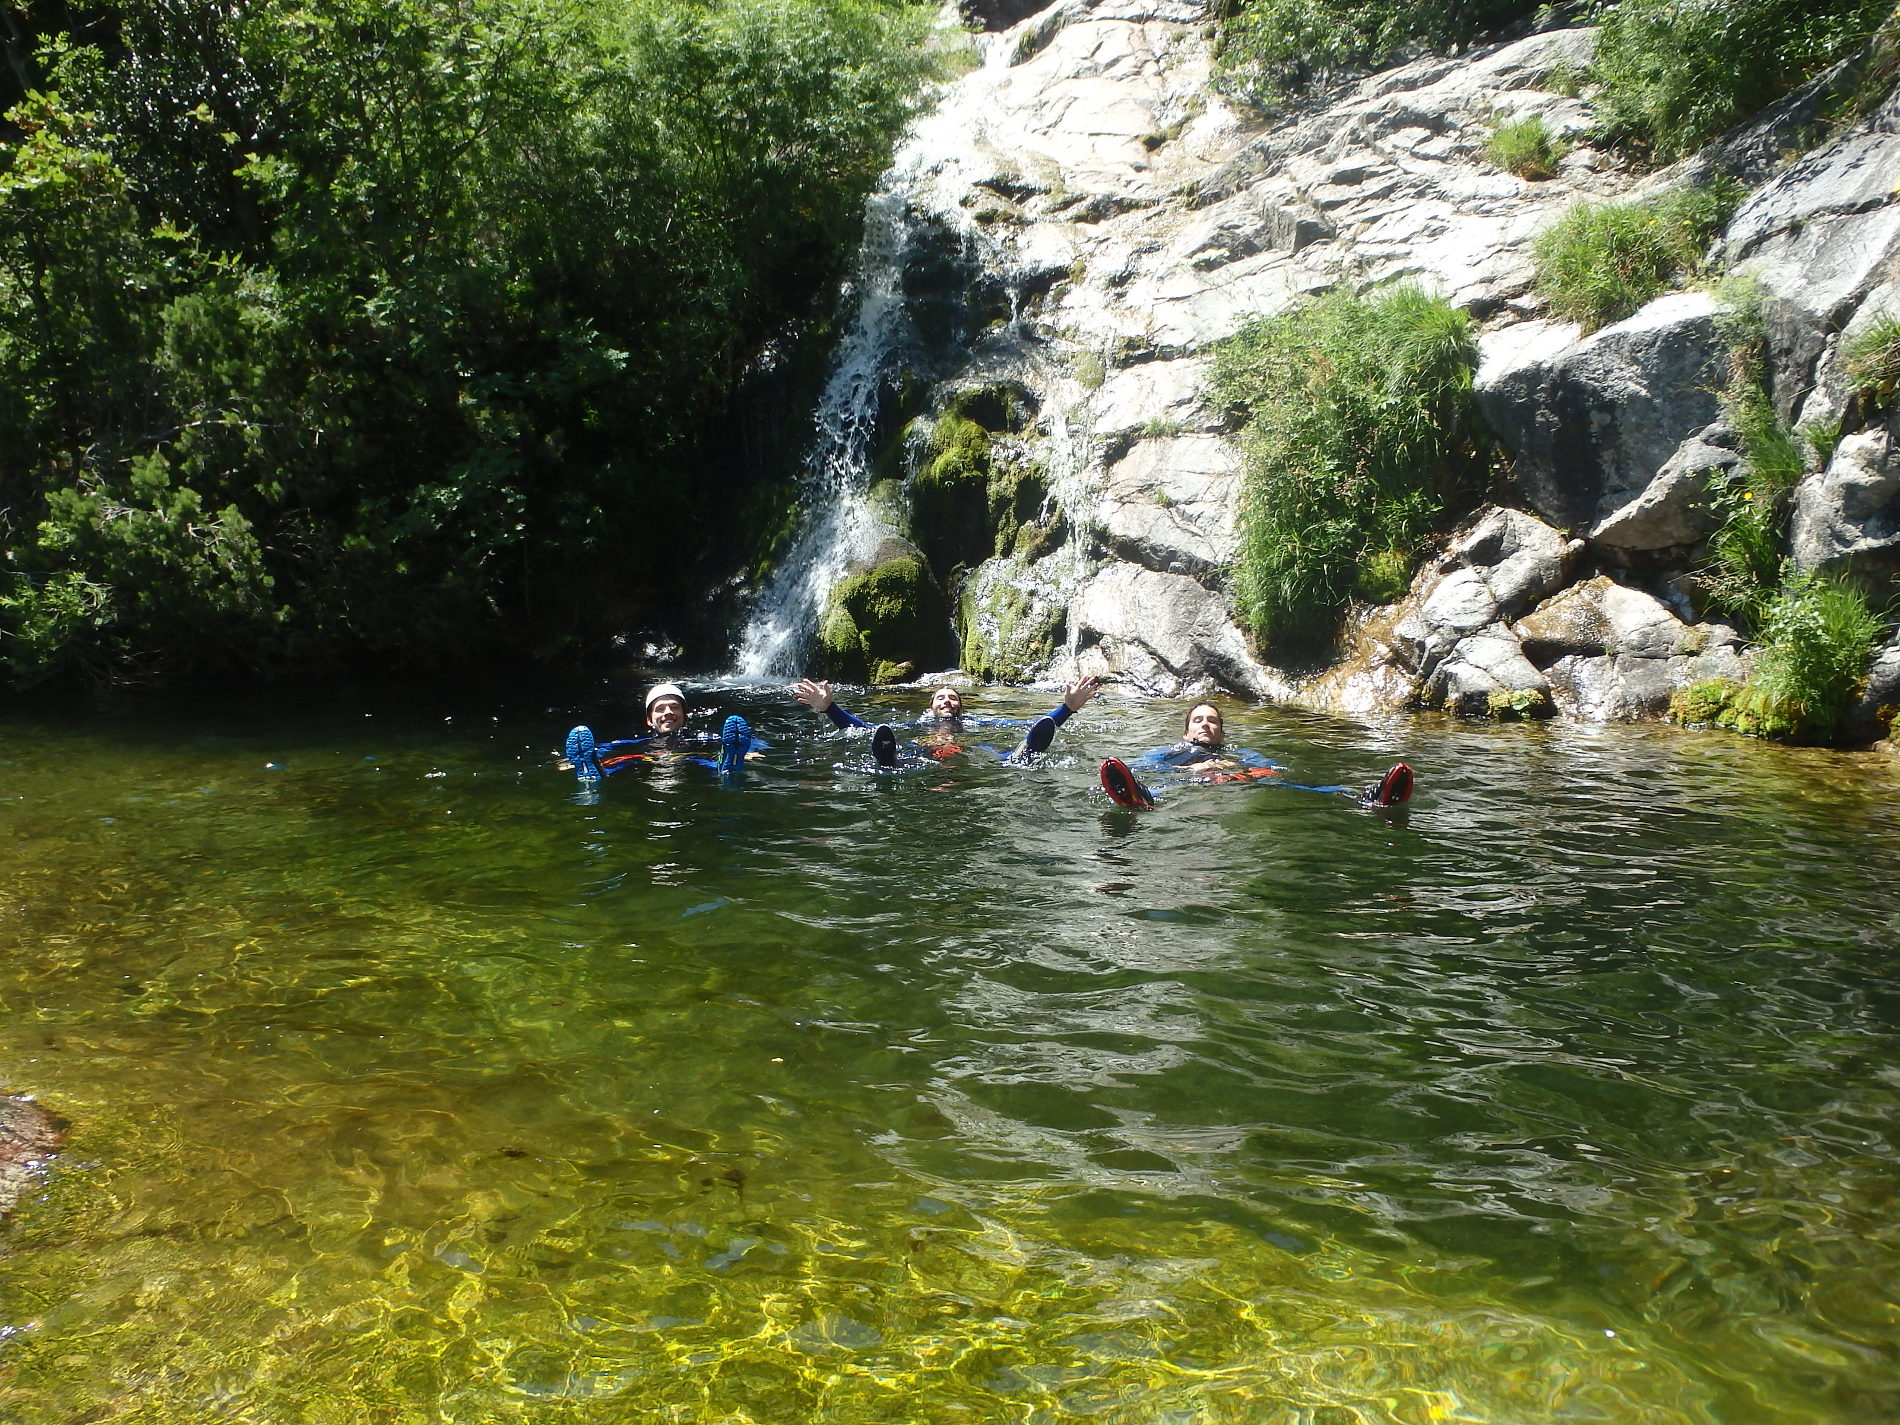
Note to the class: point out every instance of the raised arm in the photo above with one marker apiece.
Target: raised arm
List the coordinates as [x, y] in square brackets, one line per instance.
[1074, 698]
[817, 696]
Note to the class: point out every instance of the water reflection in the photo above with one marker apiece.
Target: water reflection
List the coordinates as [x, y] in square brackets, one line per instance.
[404, 1079]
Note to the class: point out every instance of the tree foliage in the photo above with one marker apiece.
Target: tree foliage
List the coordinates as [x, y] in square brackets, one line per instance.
[410, 329]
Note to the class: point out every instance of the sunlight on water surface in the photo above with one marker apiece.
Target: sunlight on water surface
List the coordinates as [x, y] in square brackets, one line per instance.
[406, 1085]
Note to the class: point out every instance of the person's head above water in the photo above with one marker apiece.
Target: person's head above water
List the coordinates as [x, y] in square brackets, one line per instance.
[666, 708]
[1204, 726]
[946, 702]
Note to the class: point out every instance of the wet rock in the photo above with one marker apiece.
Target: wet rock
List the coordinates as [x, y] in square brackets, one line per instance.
[1590, 422]
[29, 1136]
[1449, 642]
[1873, 714]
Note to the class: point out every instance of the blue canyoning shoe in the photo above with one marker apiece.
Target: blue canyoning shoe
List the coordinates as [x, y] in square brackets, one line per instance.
[735, 740]
[884, 745]
[580, 752]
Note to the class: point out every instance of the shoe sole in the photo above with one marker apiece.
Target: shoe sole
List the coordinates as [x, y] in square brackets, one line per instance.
[735, 740]
[884, 745]
[1394, 789]
[579, 749]
[1122, 786]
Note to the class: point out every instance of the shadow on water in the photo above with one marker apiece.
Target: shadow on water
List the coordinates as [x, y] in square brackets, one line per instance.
[407, 1084]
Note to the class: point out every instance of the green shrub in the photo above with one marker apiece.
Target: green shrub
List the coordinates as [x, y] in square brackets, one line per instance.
[1600, 262]
[1817, 639]
[1872, 360]
[1674, 74]
[1358, 439]
[1744, 568]
[1275, 50]
[1526, 147]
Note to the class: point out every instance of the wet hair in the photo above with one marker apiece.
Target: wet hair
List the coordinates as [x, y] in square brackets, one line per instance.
[1196, 708]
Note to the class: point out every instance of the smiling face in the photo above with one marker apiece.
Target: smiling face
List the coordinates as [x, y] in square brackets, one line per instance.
[667, 714]
[1204, 727]
[946, 702]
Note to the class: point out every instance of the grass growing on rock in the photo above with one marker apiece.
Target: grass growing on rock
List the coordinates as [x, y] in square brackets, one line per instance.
[1526, 147]
[1872, 360]
[1600, 262]
[1674, 74]
[1818, 635]
[1358, 438]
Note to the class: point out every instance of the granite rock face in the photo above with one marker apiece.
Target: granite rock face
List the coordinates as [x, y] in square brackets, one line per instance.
[1112, 219]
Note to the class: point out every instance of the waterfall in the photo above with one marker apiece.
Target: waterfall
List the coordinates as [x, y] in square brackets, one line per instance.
[837, 528]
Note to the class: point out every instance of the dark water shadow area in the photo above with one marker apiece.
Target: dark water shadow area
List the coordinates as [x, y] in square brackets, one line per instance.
[408, 1085]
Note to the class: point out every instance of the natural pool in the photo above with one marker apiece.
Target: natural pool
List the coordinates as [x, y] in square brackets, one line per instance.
[408, 1086]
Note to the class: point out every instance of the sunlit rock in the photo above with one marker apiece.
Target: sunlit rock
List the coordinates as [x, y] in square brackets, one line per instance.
[1848, 516]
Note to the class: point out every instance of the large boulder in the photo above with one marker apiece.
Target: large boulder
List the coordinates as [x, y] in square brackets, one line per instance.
[1166, 633]
[29, 1136]
[1847, 517]
[1615, 654]
[1590, 422]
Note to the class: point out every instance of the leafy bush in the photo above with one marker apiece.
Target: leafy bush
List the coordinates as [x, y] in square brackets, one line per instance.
[1274, 50]
[1872, 360]
[1600, 262]
[1676, 73]
[1818, 637]
[1358, 439]
[1526, 147]
[405, 329]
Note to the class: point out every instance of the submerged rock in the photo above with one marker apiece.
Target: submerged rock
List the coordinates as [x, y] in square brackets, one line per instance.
[29, 1136]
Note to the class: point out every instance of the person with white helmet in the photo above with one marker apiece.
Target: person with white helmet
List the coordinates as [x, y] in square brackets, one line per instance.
[590, 761]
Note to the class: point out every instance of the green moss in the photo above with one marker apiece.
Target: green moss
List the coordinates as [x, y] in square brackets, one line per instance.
[882, 625]
[1703, 704]
[1383, 576]
[1513, 704]
[1007, 634]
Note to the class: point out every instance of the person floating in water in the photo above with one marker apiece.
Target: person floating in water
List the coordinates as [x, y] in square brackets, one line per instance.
[1205, 756]
[941, 728]
[590, 761]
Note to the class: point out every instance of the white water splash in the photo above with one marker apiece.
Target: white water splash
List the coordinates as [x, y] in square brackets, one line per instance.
[838, 528]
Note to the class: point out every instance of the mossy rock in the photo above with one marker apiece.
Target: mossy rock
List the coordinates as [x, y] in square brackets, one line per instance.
[882, 625]
[1016, 640]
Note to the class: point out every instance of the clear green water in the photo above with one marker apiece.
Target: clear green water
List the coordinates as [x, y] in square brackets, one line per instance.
[406, 1087]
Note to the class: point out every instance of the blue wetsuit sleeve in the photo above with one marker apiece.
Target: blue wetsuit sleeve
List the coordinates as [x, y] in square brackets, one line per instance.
[1060, 713]
[840, 718]
[1247, 757]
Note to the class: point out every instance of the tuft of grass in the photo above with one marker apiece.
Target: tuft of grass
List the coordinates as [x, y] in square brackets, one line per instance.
[1745, 563]
[1673, 74]
[1526, 147]
[1872, 360]
[1358, 438]
[1600, 262]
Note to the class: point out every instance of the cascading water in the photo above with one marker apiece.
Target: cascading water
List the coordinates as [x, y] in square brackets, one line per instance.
[837, 527]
